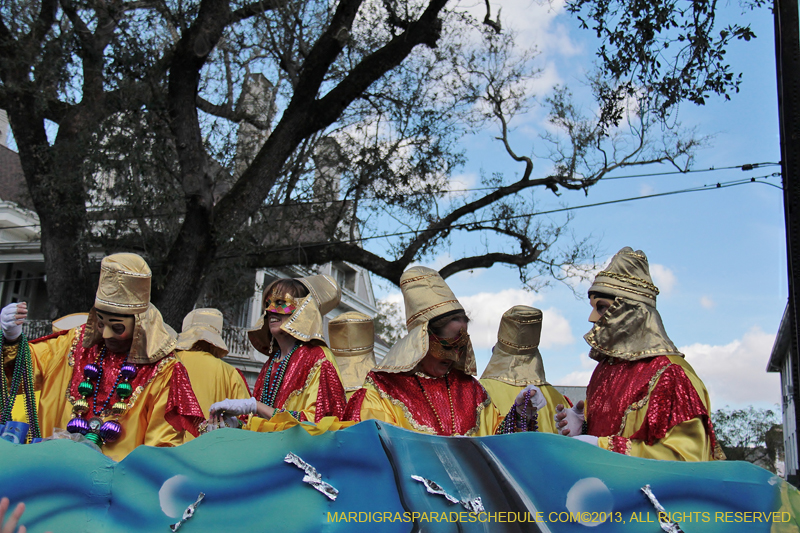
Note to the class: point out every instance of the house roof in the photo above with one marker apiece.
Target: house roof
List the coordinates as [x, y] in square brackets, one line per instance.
[781, 345]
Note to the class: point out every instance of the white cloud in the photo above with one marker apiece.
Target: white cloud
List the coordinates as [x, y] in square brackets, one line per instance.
[534, 22]
[576, 378]
[734, 373]
[395, 297]
[459, 183]
[707, 302]
[556, 330]
[486, 308]
[646, 189]
[663, 277]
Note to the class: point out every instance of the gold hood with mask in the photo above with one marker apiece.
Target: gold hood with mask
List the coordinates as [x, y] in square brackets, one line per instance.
[631, 328]
[305, 324]
[124, 289]
[352, 340]
[426, 296]
[515, 358]
[203, 326]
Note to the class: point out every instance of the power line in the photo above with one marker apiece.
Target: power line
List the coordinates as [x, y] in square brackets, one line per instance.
[708, 187]
[745, 167]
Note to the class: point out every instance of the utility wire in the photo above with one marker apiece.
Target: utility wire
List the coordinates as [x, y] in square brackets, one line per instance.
[708, 187]
[745, 167]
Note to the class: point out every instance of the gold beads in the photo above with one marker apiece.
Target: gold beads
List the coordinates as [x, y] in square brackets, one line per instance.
[119, 408]
[80, 406]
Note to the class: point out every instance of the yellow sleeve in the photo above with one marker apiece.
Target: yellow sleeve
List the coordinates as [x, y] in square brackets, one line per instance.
[490, 420]
[52, 377]
[546, 420]
[158, 431]
[305, 400]
[375, 407]
[686, 441]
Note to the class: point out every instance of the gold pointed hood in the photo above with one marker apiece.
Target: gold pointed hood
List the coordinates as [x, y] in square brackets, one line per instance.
[203, 326]
[124, 289]
[631, 328]
[426, 296]
[352, 340]
[515, 358]
[306, 323]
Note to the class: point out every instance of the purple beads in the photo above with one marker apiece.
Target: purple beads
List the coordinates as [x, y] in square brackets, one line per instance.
[128, 371]
[110, 431]
[90, 371]
[78, 425]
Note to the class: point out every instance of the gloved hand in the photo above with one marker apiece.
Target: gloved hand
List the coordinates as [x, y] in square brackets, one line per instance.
[537, 400]
[230, 409]
[11, 318]
[569, 421]
[589, 439]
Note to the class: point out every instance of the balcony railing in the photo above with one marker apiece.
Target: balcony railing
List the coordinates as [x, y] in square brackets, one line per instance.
[237, 341]
[235, 337]
[33, 329]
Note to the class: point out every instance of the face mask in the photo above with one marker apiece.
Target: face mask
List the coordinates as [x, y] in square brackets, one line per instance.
[451, 349]
[116, 327]
[281, 305]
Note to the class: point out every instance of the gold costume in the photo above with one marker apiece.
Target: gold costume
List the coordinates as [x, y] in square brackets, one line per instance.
[396, 392]
[352, 339]
[201, 348]
[517, 363]
[161, 405]
[643, 398]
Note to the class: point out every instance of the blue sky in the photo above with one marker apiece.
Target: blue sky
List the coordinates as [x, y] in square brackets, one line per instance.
[718, 256]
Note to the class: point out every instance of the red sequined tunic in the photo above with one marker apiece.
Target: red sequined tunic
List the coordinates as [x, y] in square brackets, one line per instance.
[161, 407]
[426, 404]
[636, 403]
[311, 387]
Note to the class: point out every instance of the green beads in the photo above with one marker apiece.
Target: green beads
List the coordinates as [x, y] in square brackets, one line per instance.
[124, 390]
[85, 388]
[94, 437]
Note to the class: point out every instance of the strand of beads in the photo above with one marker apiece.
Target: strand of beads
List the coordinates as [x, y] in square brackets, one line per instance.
[515, 422]
[95, 429]
[436, 414]
[271, 387]
[22, 377]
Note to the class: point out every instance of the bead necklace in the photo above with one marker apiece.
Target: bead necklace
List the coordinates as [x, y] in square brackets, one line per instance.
[95, 429]
[22, 377]
[516, 423]
[450, 400]
[271, 387]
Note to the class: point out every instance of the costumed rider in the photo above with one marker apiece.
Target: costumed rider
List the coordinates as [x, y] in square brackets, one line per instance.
[300, 379]
[516, 365]
[201, 349]
[643, 398]
[352, 340]
[425, 383]
[115, 379]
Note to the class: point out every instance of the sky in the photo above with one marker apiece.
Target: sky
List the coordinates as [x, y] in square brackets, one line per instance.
[718, 256]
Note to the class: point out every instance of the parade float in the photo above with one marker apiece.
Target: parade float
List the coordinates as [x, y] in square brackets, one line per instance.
[376, 477]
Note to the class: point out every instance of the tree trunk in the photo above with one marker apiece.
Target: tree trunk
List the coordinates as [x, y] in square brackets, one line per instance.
[60, 200]
[177, 284]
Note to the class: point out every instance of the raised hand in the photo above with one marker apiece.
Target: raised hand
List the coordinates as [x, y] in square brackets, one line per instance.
[11, 319]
